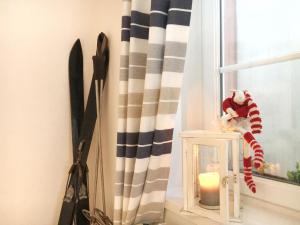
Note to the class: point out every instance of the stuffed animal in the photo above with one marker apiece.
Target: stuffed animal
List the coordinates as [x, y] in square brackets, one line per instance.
[242, 115]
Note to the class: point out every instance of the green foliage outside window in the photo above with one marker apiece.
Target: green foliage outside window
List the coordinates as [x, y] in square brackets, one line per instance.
[294, 175]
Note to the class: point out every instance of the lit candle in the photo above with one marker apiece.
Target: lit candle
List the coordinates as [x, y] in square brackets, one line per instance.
[209, 188]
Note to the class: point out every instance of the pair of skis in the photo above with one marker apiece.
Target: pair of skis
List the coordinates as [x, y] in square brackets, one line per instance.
[75, 207]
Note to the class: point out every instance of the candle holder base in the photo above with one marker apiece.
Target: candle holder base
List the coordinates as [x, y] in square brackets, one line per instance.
[210, 207]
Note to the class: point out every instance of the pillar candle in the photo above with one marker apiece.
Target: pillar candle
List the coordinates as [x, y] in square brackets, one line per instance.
[209, 188]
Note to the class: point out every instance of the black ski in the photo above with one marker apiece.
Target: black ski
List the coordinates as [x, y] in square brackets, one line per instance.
[76, 196]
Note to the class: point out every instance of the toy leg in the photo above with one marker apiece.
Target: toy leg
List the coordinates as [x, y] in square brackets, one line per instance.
[258, 152]
[248, 168]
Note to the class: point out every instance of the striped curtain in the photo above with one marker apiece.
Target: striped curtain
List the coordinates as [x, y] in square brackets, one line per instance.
[153, 49]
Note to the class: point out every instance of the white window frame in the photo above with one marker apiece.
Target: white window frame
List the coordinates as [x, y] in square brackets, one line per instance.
[275, 192]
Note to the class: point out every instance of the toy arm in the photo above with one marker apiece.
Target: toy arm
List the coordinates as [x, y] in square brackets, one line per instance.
[228, 109]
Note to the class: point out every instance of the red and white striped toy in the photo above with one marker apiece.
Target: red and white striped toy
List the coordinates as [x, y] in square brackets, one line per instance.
[242, 115]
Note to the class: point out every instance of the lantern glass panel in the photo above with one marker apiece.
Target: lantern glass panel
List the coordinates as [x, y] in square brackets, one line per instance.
[207, 176]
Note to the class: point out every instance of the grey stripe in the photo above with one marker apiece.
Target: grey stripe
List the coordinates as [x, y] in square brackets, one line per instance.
[174, 65]
[151, 95]
[167, 107]
[124, 74]
[130, 112]
[175, 49]
[124, 61]
[139, 178]
[168, 93]
[154, 206]
[139, 59]
[135, 191]
[154, 66]
[132, 98]
[156, 51]
[137, 72]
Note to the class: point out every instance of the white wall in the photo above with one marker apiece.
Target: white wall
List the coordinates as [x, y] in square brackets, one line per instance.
[35, 150]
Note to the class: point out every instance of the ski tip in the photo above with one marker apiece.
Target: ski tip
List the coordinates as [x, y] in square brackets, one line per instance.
[77, 44]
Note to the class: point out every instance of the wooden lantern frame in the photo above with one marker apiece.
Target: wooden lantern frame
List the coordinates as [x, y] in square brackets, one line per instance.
[221, 141]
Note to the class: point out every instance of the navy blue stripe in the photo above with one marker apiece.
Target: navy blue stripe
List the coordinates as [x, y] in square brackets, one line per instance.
[158, 20]
[163, 135]
[126, 20]
[140, 18]
[139, 32]
[144, 152]
[182, 4]
[160, 5]
[144, 138]
[162, 149]
[125, 35]
[179, 18]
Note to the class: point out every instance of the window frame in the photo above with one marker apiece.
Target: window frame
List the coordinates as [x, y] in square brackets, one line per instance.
[275, 192]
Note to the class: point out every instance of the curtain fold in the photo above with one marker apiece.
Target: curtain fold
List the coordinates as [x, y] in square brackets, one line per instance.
[154, 39]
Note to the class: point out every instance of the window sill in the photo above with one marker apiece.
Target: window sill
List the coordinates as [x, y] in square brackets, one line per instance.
[254, 212]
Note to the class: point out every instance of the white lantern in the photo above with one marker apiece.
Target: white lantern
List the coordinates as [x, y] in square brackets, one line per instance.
[206, 176]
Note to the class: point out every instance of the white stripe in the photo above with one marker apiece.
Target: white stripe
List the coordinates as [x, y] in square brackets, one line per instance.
[148, 212]
[157, 35]
[153, 80]
[160, 12]
[133, 125]
[177, 33]
[125, 106]
[138, 185]
[165, 121]
[125, 28]
[139, 25]
[134, 145]
[138, 45]
[118, 202]
[171, 79]
[254, 116]
[141, 6]
[147, 123]
[126, 8]
[256, 129]
[253, 109]
[155, 196]
[124, 68]
[161, 143]
[154, 59]
[135, 86]
[147, 145]
[120, 164]
[174, 57]
[157, 162]
[121, 125]
[179, 9]
[174, 101]
[125, 48]
[150, 103]
[123, 87]
[255, 123]
[131, 65]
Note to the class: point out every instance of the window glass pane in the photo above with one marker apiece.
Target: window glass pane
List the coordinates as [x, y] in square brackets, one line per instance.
[259, 29]
[275, 88]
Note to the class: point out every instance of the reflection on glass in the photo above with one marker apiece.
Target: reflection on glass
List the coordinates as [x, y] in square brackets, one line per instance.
[259, 29]
[276, 90]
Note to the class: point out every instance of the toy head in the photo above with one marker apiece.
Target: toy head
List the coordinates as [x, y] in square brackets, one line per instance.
[239, 96]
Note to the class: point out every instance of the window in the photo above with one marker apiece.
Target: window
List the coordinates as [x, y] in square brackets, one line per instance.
[239, 44]
[260, 53]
